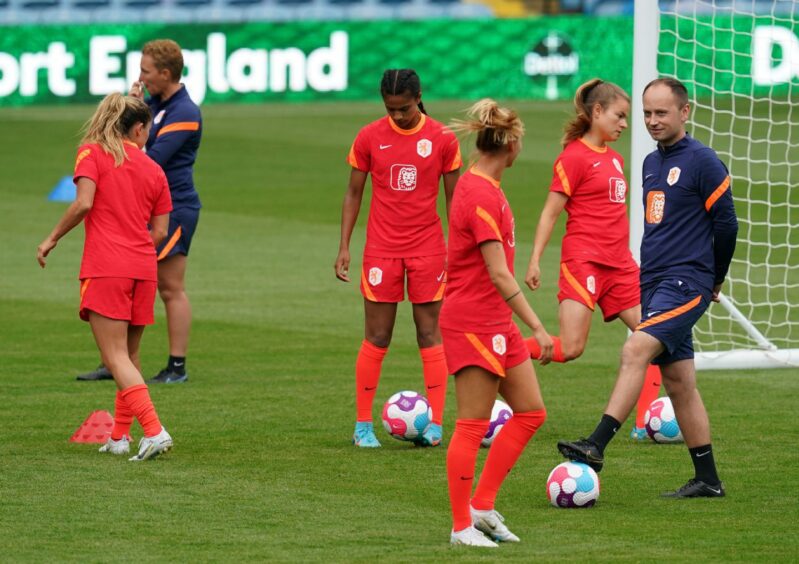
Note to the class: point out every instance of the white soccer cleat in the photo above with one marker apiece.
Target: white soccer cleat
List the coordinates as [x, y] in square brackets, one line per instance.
[150, 447]
[122, 446]
[492, 524]
[471, 537]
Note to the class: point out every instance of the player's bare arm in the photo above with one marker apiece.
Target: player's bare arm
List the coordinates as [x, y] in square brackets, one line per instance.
[549, 216]
[349, 215]
[77, 210]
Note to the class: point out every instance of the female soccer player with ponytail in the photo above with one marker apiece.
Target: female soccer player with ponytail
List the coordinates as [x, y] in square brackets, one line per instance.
[483, 346]
[124, 197]
[407, 153]
[597, 266]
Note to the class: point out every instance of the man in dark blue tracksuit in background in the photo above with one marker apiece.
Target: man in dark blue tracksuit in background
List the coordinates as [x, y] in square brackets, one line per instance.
[689, 239]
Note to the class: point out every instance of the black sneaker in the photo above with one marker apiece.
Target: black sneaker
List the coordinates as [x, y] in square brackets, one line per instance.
[697, 488]
[583, 451]
[167, 376]
[99, 373]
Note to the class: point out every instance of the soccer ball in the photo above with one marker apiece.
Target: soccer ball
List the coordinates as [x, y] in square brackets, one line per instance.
[407, 415]
[499, 416]
[573, 484]
[661, 423]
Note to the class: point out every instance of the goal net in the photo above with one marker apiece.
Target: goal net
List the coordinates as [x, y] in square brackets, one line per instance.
[740, 62]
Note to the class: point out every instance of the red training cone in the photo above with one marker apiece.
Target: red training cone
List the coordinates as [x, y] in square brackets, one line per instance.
[96, 428]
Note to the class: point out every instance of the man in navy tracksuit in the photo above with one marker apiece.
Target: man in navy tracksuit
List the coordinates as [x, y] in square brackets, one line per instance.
[689, 239]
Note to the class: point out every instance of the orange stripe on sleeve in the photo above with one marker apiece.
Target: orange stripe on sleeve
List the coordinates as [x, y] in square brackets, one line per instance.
[717, 193]
[179, 126]
[485, 216]
[457, 162]
[576, 285]
[172, 242]
[366, 289]
[83, 154]
[485, 353]
[352, 159]
[670, 314]
[564, 180]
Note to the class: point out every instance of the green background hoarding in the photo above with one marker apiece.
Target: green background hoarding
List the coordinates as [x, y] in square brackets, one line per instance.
[541, 58]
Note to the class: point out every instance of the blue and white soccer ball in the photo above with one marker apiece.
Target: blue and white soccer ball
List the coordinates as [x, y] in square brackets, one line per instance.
[573, 484]
[407, 415]
[500, 414]
[661, 423]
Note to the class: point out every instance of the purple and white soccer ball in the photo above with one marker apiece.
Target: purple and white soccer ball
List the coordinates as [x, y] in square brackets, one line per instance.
[500, 414]
[407, 415]
[573, 484]
[661, 423]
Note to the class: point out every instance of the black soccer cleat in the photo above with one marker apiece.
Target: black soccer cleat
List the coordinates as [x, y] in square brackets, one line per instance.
[697, 488]
[167, 376]
[584, 451]
[99, 373]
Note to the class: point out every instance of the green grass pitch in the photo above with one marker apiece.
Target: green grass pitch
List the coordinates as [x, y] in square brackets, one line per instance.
[263, 469]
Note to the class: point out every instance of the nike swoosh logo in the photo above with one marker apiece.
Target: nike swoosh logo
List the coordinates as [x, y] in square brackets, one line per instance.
[178, 364]
[440, 276]
[384, 147]
[700, 455]
[651, 313]
[466, 477]
[648, 175]
[369, 389]
[714, 490]
[596, 164]
[436, 386]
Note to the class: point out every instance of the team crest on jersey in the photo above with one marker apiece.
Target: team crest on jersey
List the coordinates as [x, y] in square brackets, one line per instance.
[159, 117]
[375, 276]
[617, 164]
[590, 283]
[498, 342]
[674, 176]
[655, 206]
[403, 177]
[424, 147]
[618, 190]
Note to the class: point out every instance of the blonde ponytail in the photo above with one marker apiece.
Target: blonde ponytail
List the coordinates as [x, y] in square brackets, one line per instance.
[115, 116]
[495, 126]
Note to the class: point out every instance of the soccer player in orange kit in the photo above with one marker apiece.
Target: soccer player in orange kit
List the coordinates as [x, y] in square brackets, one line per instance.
[124, 198]
[407, 153]
[483, 346]
[597, 266]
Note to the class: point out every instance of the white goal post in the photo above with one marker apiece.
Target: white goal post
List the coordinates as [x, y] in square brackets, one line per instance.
[740, 62]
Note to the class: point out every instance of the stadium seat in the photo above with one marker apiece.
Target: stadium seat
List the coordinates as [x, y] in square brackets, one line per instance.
[244, 3]
[294, 2]
[142, 3]
[192, 3]
[91, 4]
[39, 4]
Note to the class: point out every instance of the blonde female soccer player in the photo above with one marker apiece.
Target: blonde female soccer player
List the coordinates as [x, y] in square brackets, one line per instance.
[407, 153]
[597, 267]
[483, 346]
[123, 196]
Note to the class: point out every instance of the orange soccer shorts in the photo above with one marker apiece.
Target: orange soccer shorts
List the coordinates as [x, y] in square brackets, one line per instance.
[118, 298]
[383, 279]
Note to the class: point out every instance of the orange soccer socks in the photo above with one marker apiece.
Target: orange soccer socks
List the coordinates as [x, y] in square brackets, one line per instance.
[535, 349]
[367, 375]
[123, 418]
[649, 393]
[139, 403]
[504, 453]
[461, 459]
[434, 366]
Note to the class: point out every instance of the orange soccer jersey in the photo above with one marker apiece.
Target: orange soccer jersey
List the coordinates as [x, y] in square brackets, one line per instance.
[406, 167]
[597, 229]
[479, 213]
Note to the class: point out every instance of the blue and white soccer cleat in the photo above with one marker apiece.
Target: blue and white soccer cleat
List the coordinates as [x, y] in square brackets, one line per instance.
[364, 435]
[431, 437]
[638, 434]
